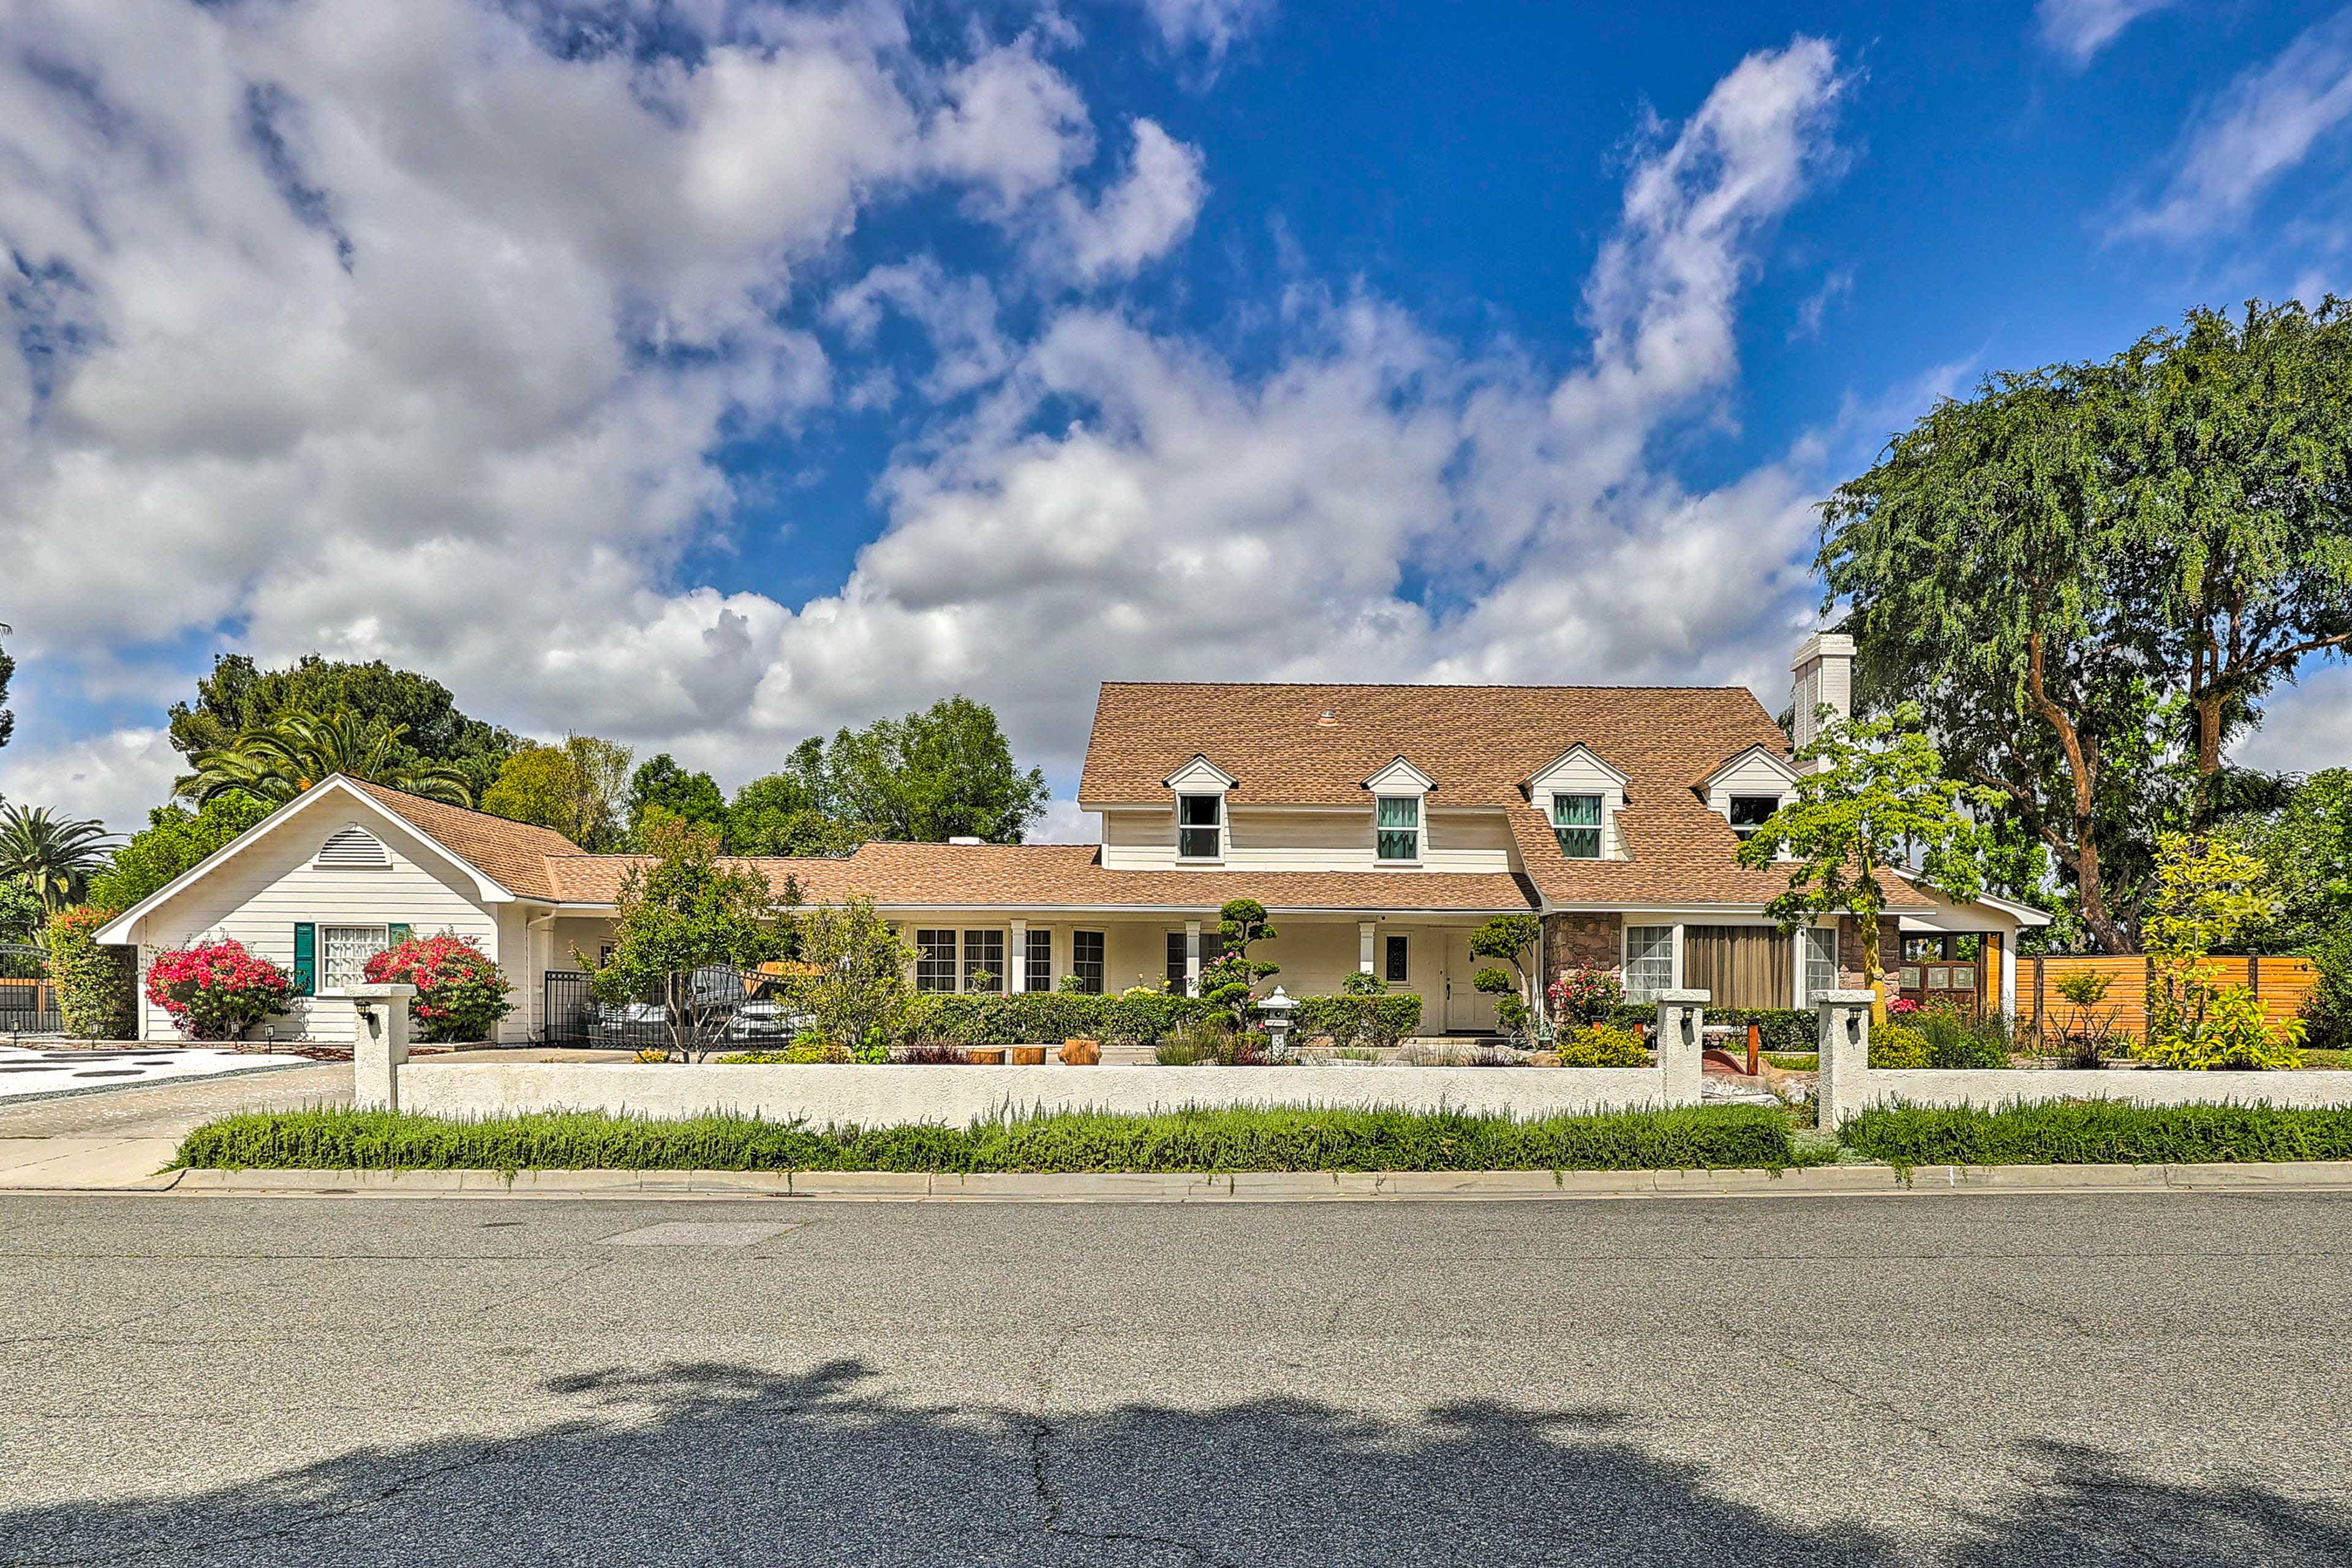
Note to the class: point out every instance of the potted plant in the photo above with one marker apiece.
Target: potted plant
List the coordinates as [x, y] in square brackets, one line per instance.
[1028, 1055]
[1081, 1053]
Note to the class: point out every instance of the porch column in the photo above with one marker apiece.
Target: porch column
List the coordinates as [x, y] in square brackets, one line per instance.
[1364, 947]
[1682, 1035]
[1842, 1018]
[1192, 958]
[379, 1045]
[1016, 958]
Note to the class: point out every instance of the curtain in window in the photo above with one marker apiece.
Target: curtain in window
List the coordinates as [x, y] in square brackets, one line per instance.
[1576, 823]
[1400, 827]
[348, 949]
[1649, 960]
[1739, 966]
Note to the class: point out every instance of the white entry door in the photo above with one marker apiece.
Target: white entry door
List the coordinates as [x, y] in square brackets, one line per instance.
[1467, 1008]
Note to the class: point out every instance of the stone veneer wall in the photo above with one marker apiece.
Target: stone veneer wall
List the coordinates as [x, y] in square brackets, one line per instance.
[1583, 940]
[1890, 950]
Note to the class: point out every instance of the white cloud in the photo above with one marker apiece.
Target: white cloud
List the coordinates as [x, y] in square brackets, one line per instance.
[2081, 29]
[116, 778]
[1214, 24]
[2306, 726]
[1136, 220]
[475, 441]
[2263, 126]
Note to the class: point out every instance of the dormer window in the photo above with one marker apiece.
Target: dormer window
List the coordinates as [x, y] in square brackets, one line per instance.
[1751, 812]
[1576, 823]
[1399, 836]
[1199, 827]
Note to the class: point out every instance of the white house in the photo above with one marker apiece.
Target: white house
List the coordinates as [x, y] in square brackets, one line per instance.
[1379, 825]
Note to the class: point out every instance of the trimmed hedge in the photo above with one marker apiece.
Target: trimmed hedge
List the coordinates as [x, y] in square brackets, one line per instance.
[1382, 1019]
[1785, 1028]
[1046, 1017]
[1739, 1137]
[2099, 1133]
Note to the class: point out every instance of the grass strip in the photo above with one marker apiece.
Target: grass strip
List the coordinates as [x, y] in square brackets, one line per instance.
[2099, 1133]
[1741, 1137]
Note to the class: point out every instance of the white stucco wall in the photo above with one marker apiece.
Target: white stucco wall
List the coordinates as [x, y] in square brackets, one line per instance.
[260, 894]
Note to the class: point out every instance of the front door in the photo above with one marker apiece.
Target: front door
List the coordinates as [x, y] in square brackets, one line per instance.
[1468, 1010]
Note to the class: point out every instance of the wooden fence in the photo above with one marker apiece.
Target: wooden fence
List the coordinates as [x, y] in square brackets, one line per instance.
[2282, 983]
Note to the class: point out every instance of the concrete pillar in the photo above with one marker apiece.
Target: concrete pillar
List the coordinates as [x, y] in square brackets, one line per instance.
[379, 1045]
[1364, 947]
[1192, 958]
[1016, 958]
[1681, 1037]
[1843, 1018]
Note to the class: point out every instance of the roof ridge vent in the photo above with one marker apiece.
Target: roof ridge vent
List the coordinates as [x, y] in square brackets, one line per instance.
[353, 847]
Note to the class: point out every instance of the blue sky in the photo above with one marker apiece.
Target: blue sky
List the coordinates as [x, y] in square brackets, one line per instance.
[707, 373]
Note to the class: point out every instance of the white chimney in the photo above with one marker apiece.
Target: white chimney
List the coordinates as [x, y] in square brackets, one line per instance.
[1824, 671]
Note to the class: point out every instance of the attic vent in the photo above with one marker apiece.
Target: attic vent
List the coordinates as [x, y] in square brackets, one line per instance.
[353, 847]
[1326, 718]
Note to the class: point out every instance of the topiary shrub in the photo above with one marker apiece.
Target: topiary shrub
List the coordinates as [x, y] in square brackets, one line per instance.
[216, 991]
[1895, 1044]
[1603, 1045]
[461, 994]
[97, 987]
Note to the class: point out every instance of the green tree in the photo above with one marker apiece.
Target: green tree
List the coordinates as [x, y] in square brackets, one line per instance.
[2306, 847]
[684, 920]
[1871, 796]
[174, 840]
[856, 990]
[299, 752]
[781, 813]
[21, 913]
[2208, 894]
[1512, 939]
[1230, 983]
[238, 698]
[660, 785]
[54, 856]
[2227, 446]
[943, 772]
[1985, 564]
[575, 788]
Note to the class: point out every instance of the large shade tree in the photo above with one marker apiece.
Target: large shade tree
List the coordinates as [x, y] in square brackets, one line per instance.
[577, 788]
[944, 772]
[238, 696]
[174, 840]
[285, 758]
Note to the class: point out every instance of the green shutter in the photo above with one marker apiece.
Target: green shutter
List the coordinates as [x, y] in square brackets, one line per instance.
[396, 935]
[306, 960]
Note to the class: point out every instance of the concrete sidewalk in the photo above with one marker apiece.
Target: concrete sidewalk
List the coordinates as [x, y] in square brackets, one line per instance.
[130, 1166]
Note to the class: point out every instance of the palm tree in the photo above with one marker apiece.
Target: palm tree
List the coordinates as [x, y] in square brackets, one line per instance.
[55, 855]
[287, 758]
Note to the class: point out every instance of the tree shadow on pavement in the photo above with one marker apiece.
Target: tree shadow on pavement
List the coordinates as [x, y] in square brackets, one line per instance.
[709, 1463]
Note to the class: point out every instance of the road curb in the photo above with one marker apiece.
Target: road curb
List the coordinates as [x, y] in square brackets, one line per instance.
[1328, 1186]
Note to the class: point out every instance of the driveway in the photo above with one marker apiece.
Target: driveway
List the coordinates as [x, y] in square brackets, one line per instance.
[121, 1133]
[1971, 1379]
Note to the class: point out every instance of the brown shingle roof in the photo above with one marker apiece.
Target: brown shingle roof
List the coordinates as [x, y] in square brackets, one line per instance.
[1071, 876]
[514, 854]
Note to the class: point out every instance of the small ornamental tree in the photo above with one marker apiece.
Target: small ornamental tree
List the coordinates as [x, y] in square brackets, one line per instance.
[1512, 939]
[682, 914]
[1231, 982]
[460, 993]
[855, 991]
[2209, 894]
[218, 990]
[1871, 793]
[96, 987]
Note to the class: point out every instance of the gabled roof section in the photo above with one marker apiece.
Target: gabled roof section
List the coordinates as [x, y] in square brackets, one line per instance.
[1398, 776]
[1199, 773]
[511, 854]
[1771, 754]
[1575, 753]
[506, 859]
[1482, 741]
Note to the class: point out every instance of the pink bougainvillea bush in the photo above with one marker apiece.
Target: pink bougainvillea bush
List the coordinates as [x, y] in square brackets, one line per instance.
[461, 994]
[217, 990]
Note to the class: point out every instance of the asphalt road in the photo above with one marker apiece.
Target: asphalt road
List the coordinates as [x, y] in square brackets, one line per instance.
[1968, 1380]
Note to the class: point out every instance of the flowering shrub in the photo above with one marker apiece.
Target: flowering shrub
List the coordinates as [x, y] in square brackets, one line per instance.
[461, 994]
[1585, 996]
[218, 990]
[1903, 1005]
[96, 986]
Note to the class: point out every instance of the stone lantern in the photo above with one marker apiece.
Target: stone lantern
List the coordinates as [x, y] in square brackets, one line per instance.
[1278, 1009]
